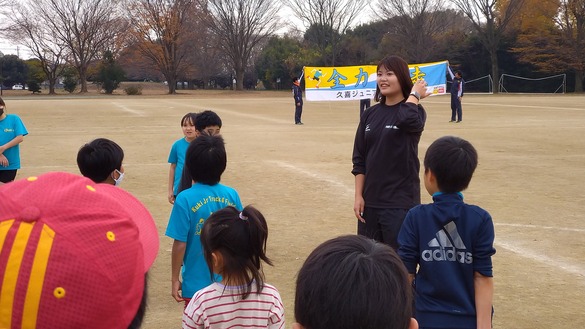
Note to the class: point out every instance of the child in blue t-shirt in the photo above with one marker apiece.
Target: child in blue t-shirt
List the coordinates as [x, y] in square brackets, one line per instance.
[206, 161]
[12, 131]
[177, 154]
[451, 242]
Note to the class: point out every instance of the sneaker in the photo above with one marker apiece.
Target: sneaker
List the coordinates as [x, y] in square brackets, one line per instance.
[298, 123]
[458, 121]
[451, 120]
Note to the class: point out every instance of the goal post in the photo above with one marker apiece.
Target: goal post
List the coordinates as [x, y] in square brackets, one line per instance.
[476, 86]
[553, 84]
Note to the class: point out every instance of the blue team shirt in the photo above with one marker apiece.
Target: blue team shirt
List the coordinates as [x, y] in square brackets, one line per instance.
[192, 207]
[10, 127]
[177, 156]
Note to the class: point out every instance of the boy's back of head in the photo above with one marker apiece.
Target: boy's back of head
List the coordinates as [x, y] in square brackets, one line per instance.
[353, 282]
[452, 160]
[207, 119]
[206, 159]
[99, 158]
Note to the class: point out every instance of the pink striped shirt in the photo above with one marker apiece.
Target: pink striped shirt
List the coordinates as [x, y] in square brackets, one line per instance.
[219, 306]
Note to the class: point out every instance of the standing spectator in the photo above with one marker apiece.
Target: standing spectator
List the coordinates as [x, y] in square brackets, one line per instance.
[447, 246]
[177, 155]
[101, 161]
[298, 96]
[206, 161]
[385, 153]
[456, 94]
[234, 245]
[12, 132]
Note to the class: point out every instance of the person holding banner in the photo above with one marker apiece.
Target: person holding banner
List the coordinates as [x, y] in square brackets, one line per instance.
[385, 153]
[456, 94]
[298, 96]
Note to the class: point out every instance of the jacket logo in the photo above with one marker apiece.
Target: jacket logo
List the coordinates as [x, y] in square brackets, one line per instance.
[447, 246]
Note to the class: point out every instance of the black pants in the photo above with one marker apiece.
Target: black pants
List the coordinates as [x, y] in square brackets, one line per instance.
[7, 175]
[298, 112]
[364, 104]
[382, 225]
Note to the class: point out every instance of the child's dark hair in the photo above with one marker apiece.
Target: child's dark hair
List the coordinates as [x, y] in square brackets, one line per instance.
[353, 282]
[98, 158]
[240, 237]
[400, 68]
[452, 160]
[189, 117]
[206, 159]
[207, 119]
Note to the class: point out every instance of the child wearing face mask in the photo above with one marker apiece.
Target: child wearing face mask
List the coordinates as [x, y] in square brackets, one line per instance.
[101, 161]
[12, 131]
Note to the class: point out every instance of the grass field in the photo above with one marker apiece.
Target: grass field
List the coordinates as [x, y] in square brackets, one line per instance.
[531, 178]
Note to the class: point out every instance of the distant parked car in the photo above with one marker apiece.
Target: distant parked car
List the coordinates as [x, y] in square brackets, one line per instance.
[18, 87]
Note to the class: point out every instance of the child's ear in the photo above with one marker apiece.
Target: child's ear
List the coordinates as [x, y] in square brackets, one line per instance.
[217, 259]
[413, 324]
[297, 326]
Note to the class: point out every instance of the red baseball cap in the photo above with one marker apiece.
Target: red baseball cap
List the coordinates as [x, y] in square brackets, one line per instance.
[74, 253]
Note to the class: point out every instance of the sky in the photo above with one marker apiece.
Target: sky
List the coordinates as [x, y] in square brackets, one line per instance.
[9, 48]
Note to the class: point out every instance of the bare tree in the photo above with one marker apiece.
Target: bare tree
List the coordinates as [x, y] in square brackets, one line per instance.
[571, 22]
[29, 29]
[490, 19]
[415, 26]
[329, 19]
[240, 26]
[161, 30]
[86, 27]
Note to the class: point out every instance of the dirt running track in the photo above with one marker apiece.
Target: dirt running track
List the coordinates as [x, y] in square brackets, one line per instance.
[531, 178]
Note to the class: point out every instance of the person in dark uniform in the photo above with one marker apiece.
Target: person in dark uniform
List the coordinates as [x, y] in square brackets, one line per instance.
[456, 94]
[298, 96]
[385, 153]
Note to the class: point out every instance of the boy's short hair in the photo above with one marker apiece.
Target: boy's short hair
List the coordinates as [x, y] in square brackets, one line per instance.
[295, 79]
[353, 282]
[207, 119]
[98, 158]
[452, 160]
[206, 159]
[74, 254]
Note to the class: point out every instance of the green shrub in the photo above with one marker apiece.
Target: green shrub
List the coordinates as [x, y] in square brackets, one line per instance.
[133, 90]
[34, 86]
[70, 83]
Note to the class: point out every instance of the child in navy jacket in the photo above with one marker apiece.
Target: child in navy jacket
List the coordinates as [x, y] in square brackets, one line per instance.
[451, 242]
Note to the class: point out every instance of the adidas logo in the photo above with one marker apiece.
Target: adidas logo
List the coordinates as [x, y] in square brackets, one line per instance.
[447, 246]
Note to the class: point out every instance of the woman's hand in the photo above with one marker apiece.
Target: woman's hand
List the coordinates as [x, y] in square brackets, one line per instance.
[421, 88]
[358, 208]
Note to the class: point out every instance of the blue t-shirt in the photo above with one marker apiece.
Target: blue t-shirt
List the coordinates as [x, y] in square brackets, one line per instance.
[192, 207]
[177, 156]
[10, 127]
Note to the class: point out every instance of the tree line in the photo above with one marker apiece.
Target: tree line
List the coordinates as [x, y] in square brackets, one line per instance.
[208, 43]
